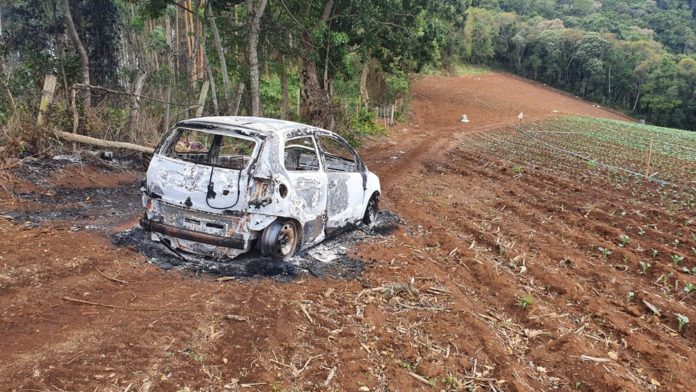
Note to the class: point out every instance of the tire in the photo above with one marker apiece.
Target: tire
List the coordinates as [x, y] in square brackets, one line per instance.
[371, 211]
[280, 239]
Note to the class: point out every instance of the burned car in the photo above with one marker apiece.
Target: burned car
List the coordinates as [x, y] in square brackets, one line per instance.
[220, 186]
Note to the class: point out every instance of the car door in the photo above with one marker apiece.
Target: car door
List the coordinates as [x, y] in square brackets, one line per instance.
[308, 184]
[345, 186]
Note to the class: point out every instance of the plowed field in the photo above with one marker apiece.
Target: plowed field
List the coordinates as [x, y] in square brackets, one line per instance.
[516, 267]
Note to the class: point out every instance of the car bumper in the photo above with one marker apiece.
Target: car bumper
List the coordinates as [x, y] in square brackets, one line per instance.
[234, 242]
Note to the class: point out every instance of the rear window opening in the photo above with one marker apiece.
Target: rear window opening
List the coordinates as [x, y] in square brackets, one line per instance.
[225, 151]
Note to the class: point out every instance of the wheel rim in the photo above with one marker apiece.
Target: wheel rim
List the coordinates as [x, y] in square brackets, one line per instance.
[286, 239]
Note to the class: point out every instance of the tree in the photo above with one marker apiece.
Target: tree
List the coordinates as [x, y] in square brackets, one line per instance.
[226, 83]
[480, 31]
[75, 37]
[255, 9]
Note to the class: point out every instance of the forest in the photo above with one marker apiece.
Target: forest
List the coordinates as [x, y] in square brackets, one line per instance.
[128, 70]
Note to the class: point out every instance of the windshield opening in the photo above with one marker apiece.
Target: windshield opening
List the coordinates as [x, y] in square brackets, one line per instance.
[226, 151]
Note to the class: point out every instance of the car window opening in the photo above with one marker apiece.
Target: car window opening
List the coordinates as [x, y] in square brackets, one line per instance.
[301, 155]
[338, 157]
[224, 151]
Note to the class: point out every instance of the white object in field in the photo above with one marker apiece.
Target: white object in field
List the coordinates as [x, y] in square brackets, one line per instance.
[464, 119]
[520, 116]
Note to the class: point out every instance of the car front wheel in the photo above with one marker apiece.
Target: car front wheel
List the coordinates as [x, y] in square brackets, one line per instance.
[371, 211]
[280, 239]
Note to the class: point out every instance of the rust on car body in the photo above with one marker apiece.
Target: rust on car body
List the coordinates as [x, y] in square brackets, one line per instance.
[217, 186]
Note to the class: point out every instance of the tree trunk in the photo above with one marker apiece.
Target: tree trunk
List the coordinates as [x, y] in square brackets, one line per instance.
[135, 104]
[84, 59]
[170, 62]
[315, 103]
[226, 84]
[364, 95]
[315, 107]
[635, 104]
[238, 101]
[255, 11]
[211, 77]
[284, 95]
[101, 143]
[176, 42]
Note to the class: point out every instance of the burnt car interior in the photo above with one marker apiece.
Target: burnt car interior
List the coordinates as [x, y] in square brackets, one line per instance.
[222, 151]
[300, 155]
[337, 156]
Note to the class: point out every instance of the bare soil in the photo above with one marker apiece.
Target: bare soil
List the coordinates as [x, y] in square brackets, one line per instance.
[437, 306]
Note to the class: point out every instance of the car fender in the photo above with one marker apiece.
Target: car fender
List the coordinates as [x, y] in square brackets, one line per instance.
[258, 222]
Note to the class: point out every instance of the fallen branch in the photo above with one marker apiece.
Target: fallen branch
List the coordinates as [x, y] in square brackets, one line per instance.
[252, 384]
[420, 378]
[297, 372]
[111, 277]
[652, 308]
[330, 377]
[594, 359]
[80, 301]
[73, 137]
[306, 313]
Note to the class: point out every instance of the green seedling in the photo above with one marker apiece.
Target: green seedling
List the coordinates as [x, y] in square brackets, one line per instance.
[644, 267]
[451, 382]
[624, 240]
[604, 252]
[591, 164]
[654, 253]
[407, 365]
[691, 271]
[525, 301]
[675, 243]
[629, 296]
[689, 287]
[641, 232]
[676, 259]
[517, 169]
[682, 321]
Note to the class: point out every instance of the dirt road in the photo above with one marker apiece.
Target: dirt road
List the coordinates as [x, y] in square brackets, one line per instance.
[437, 307]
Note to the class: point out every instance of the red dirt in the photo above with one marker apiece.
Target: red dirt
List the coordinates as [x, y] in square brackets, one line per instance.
[470, 226]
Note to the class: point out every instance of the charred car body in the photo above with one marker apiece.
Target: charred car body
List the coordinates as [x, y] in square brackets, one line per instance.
[217, 186]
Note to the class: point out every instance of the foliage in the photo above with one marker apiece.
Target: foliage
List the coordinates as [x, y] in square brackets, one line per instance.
[633, 54]
[525, 301]
[360, 126]
[682, 321]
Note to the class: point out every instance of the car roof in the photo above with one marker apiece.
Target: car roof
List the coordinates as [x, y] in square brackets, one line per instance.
[261, 125]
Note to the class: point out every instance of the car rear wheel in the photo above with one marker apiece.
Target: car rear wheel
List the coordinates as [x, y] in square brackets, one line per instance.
[280, 239]
[371, 211]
